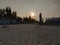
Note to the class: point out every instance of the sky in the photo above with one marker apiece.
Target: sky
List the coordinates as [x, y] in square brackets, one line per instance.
[48, 8]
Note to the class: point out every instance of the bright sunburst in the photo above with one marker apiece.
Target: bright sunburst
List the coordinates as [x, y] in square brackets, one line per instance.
[32, 14]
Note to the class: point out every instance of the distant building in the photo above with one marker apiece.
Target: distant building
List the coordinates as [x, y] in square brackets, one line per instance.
[53, 21]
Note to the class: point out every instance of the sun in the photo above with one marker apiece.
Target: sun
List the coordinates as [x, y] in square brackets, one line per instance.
[32, 14]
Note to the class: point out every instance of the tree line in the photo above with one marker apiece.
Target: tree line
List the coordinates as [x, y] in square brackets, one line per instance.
[7, 16]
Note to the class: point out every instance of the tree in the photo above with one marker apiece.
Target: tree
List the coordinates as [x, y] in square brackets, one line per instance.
[14, 14]
[40, 18]
[8, 9]
[0, 13]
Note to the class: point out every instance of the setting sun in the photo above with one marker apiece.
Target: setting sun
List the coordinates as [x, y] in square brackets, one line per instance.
[32, 14]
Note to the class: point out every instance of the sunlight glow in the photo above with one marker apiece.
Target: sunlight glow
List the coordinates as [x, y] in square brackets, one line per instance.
[32, 14]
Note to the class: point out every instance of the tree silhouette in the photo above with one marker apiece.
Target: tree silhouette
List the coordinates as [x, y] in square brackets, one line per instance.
[0, 13]
[40, 19]
[8, 10]
[14, 14]
[7, 16]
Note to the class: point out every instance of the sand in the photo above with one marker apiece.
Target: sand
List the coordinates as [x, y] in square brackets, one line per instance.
[29, 34]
